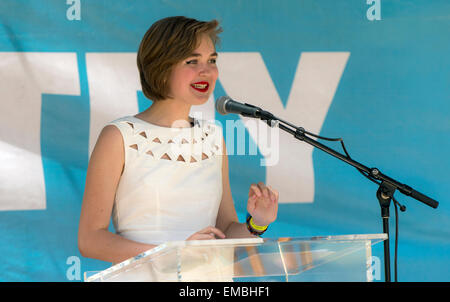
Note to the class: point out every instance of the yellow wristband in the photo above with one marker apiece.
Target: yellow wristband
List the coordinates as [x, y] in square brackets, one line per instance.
[257, 227]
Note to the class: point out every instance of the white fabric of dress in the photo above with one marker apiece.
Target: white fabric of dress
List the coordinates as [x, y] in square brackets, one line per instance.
[171, 185]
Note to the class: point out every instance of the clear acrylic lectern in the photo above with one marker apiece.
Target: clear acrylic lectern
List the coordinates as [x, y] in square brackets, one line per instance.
[322, 258]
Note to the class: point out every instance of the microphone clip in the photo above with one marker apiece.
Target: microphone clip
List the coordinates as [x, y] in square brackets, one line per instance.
[266, 116]
[253, 114]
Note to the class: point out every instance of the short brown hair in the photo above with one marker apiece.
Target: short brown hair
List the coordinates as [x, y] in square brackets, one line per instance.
[166, 43]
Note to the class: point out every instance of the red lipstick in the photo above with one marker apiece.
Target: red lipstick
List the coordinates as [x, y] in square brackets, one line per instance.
[200, 86]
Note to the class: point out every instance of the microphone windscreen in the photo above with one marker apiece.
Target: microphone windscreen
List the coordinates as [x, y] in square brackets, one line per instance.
[220, 104]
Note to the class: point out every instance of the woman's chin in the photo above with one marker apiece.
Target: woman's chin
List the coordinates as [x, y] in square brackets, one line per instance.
[200, 99]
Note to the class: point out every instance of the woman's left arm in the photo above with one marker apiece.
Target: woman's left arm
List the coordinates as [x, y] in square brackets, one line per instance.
[262, 204]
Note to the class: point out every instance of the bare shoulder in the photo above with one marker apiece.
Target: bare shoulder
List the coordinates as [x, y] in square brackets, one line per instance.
[103, 175]
[110, 136]
[109, 148]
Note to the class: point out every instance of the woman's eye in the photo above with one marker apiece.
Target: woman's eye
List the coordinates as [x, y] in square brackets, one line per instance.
[213, 61]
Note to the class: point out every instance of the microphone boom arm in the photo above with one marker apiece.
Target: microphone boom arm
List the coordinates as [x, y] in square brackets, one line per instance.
[299, 133]
[386, 189]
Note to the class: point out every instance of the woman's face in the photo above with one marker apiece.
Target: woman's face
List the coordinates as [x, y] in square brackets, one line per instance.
[193, 80]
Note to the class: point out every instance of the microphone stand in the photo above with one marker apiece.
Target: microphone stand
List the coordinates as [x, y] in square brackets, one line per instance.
[385, 191]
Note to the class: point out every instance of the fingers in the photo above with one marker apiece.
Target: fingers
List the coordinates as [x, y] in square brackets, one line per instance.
[251, 204]
[213, 231]
[207, 233]
[263, 188]
[263, 202]
[273, 194]
[203, 237]
[260, 189]
[255, 191]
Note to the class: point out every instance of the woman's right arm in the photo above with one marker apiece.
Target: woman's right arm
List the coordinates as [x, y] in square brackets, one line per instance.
[103, 174]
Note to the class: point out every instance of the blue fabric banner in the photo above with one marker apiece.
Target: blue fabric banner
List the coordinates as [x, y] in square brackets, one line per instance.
[374, 72]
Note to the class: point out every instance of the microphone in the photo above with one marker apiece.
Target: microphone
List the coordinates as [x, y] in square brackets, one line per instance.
[225, 105]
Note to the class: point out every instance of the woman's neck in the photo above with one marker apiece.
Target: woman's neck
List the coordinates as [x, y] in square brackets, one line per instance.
[167, 113]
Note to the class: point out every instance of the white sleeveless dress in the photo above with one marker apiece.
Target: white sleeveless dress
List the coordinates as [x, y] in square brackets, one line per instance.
[170, 188]
[171, 185]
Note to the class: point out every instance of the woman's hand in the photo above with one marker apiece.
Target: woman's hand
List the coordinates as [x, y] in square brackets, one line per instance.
[262, 204]
[207, 234]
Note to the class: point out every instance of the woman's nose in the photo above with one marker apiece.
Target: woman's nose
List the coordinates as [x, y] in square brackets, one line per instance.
[205, 69]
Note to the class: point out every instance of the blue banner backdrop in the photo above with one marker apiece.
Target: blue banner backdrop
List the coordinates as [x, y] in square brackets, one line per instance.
[374, 72]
